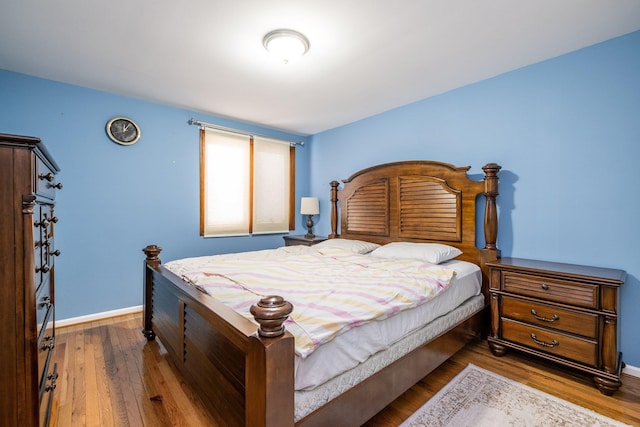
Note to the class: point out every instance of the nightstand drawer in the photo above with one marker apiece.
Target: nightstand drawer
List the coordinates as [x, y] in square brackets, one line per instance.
[548, 316]
[580, 350]
[578, 294]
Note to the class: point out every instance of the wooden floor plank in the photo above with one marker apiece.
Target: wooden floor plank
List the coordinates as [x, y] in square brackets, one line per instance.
[95, 393]
[137, 402]
[111, 376]
[124, 404]
[79, 389]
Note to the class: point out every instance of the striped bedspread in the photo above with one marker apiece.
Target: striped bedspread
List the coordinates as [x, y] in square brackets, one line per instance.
[331, 291]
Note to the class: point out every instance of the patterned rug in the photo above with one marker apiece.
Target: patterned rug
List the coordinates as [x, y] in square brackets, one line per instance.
[479, 398]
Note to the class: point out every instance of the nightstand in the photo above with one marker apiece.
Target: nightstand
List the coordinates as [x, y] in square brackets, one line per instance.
[564, 313]
[302, 241]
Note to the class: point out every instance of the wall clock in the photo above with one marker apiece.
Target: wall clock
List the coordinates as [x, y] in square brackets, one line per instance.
[123, 130]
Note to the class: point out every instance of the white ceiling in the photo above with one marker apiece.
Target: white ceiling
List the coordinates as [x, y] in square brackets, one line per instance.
[366, 56]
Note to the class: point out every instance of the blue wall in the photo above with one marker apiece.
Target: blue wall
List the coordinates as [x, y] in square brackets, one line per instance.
[567, 134]
[566, 131]
[117, 199]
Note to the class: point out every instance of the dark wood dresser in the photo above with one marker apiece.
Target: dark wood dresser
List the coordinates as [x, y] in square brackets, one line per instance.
[27, 253]
[560, 312]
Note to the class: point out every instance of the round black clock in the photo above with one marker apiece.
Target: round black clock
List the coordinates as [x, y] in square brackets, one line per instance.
[123, 130]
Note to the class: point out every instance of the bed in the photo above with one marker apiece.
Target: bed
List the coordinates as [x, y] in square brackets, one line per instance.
[249, 370]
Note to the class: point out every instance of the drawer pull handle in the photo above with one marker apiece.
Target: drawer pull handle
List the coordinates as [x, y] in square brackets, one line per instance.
[545, 287]
[45, 269]
[49, 177]
[57, 185]
[545, 319]
[49, 346]
[56, 252]
[44, 223]
[45, 301]
[542, 343]
[52, 386]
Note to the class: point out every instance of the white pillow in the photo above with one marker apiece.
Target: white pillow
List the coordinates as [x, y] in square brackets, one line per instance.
[434, 253]
[356, 246]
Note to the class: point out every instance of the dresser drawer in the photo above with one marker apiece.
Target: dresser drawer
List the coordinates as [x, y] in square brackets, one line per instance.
[43, 304]
[574, 293]
[46, 343]
[559, 344]
[48, 377]
[571, 321]
[45, 180]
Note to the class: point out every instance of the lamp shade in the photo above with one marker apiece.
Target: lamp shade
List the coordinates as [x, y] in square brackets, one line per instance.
[309, 206]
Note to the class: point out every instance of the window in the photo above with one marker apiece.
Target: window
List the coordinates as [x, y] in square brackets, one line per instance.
[246, 184]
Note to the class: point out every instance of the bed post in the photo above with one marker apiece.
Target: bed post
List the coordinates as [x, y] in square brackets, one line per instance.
[490, 213]
[334, 210]
[269, 370]
[151, 262]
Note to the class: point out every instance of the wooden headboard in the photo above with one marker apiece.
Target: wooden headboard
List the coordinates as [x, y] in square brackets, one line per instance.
[418, 201]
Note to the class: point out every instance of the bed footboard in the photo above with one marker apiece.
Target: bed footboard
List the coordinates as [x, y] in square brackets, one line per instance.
[243, 371]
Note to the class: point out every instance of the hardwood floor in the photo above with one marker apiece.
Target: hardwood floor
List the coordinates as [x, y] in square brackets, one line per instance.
[111, 376]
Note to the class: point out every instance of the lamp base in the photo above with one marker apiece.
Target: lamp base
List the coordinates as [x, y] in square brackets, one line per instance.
[309, 234]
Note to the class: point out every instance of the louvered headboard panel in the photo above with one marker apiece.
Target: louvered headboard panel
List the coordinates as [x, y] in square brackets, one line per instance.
[429, 209]
[367, 209]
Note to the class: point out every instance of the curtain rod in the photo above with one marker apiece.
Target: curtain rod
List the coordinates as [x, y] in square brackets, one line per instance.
[193, 121]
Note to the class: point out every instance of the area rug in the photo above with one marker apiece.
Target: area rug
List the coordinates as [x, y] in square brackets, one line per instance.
[479, 398]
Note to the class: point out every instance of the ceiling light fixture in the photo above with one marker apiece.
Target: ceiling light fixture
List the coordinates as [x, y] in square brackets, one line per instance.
[286, 44]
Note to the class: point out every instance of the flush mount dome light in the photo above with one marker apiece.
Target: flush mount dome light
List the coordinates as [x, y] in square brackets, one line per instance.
[286, 44]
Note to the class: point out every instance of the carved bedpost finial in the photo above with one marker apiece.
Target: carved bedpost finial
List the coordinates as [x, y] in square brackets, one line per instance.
[152, 252]
[491, 213]
[271, 312]
[334, 209]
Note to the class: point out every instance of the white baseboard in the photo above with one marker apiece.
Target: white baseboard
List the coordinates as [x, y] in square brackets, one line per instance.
[97, 316]
[632, 370]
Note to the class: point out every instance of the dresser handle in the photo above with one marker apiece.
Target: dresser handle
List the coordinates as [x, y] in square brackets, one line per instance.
[545, 319]
[545, 286]
[45, 269]
[57, 185]
[542, 343]
[56, 252]
[49, 346]
[52, 378]
[46, 302]
[44, 223]
[49, 177]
